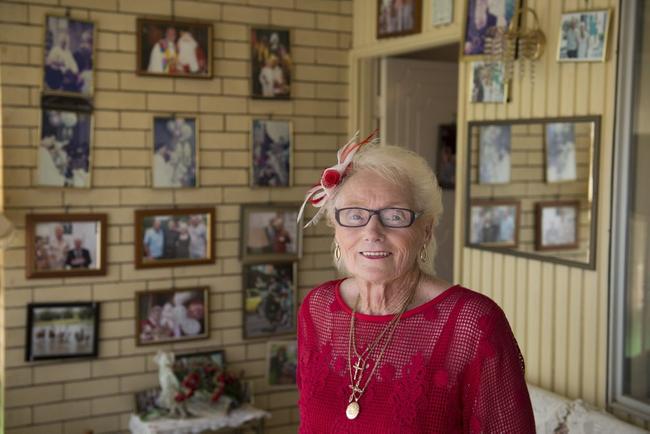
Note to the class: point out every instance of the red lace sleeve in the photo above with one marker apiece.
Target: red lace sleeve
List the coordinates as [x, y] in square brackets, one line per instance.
[497, 399]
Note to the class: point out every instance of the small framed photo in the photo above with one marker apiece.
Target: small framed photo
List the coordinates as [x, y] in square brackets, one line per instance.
[482, 18]
[270, 232]
[494, 154]
[147, 404]
[173, 237]
[446, 164]
[494, 223]
[64, 157]
[398, 17]
[172, 315]
[583, 36]
[269, 299]
[68, 63]
[442, 12]
[272, 153]
[556, 225]
[560, 141]
[271, 63]
[189, 361]
[281, 363]
[175, 152]
[62, 330]
[65, 245]
[488, 82]
[174, 48]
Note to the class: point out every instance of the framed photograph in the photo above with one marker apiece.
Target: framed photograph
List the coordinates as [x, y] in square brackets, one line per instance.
[398, 17]
[62, 330]
[175, 152]
[560, 143]
[272, 154]
[556, 225]
[494, 223]
[188, 361]
[173, 237]
[270, 232]
[442, 12]
[269, 299]
[583, 36]
[68, 62]
[488, 83]
[65, 245]
[281, 363]
[172, 315]
[446, 163]
[147, 405]
[271, 63]
[482, 18]
[174, 48]
[494, 154]
[64, 158]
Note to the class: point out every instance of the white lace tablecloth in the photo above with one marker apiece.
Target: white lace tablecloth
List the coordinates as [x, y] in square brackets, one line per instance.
[207, 418]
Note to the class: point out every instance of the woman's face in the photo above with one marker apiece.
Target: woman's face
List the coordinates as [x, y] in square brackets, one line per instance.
[396, 250]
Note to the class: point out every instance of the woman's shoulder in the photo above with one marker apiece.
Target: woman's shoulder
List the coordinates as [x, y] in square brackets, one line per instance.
[476, 307]
[321, 295]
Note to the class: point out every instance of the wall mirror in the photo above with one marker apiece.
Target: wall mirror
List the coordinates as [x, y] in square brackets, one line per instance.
[532, 188]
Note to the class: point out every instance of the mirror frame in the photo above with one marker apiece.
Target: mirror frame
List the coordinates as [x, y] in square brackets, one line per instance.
[593, 177]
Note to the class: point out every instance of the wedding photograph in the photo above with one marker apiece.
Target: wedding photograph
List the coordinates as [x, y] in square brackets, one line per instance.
[560, 147]
[175, 152]
[272, 153]
[494, 154]
[557, 225]
[271, 63]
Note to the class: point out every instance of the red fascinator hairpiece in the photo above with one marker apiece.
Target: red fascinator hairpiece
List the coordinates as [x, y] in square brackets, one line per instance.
[333, 176]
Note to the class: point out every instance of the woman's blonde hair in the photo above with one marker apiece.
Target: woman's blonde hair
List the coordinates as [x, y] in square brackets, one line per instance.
[403, 168]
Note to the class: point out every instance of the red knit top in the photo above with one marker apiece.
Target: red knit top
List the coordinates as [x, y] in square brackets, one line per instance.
[452, 366]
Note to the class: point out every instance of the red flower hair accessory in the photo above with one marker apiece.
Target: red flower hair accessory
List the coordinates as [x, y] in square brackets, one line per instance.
[333, 176]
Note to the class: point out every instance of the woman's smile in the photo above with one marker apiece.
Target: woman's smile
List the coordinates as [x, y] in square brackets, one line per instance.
[375, 254]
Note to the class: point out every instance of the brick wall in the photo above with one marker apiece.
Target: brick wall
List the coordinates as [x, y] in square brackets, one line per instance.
[73, 396]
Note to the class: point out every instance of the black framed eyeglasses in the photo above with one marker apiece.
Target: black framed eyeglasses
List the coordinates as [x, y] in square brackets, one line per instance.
[389, 217]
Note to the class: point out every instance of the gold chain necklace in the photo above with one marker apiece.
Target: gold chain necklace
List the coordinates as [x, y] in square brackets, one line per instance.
[353, 408]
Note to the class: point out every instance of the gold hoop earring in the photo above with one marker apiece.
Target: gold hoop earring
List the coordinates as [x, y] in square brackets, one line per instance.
[424, 255]
[337, 252]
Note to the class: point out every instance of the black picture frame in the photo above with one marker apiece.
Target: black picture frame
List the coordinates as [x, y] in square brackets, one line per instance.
[57, 335]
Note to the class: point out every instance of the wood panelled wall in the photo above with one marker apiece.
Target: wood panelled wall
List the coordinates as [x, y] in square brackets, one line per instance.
[558, 313]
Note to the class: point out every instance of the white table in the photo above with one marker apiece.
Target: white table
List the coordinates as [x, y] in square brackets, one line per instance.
[207, 419]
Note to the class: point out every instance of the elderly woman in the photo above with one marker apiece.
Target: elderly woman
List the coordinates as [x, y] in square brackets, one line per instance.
[392, 348]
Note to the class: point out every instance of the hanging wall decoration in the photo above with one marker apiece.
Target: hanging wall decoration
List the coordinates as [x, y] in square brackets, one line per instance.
[174, 48]
[271, 63]
[68, 64]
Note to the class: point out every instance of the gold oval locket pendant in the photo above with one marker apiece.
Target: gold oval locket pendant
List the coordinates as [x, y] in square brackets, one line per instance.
[352, 411]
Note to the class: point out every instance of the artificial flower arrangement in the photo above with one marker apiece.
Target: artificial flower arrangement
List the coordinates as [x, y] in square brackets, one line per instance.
[206, 380]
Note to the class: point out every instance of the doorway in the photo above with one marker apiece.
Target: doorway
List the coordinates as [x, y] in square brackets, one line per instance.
[416, 107]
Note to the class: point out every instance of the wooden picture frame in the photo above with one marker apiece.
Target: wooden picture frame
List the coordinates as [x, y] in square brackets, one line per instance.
[494, 223]
[391, 23]
[557, 225]
[168, 245]
[52, 248]
[51, 327]
[281, 370]
[192, 38]
[269, 232]
[157, 315]
[589, 42]
[271, 153]
[272, 46]
[472, 46]
[269, 299]
[217, 356]
[175, 156]
[69, 58]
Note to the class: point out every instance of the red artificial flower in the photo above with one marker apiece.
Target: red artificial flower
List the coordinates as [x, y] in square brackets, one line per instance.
[191, 381]
[180, 397]
[217, 394]
[330, 178]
